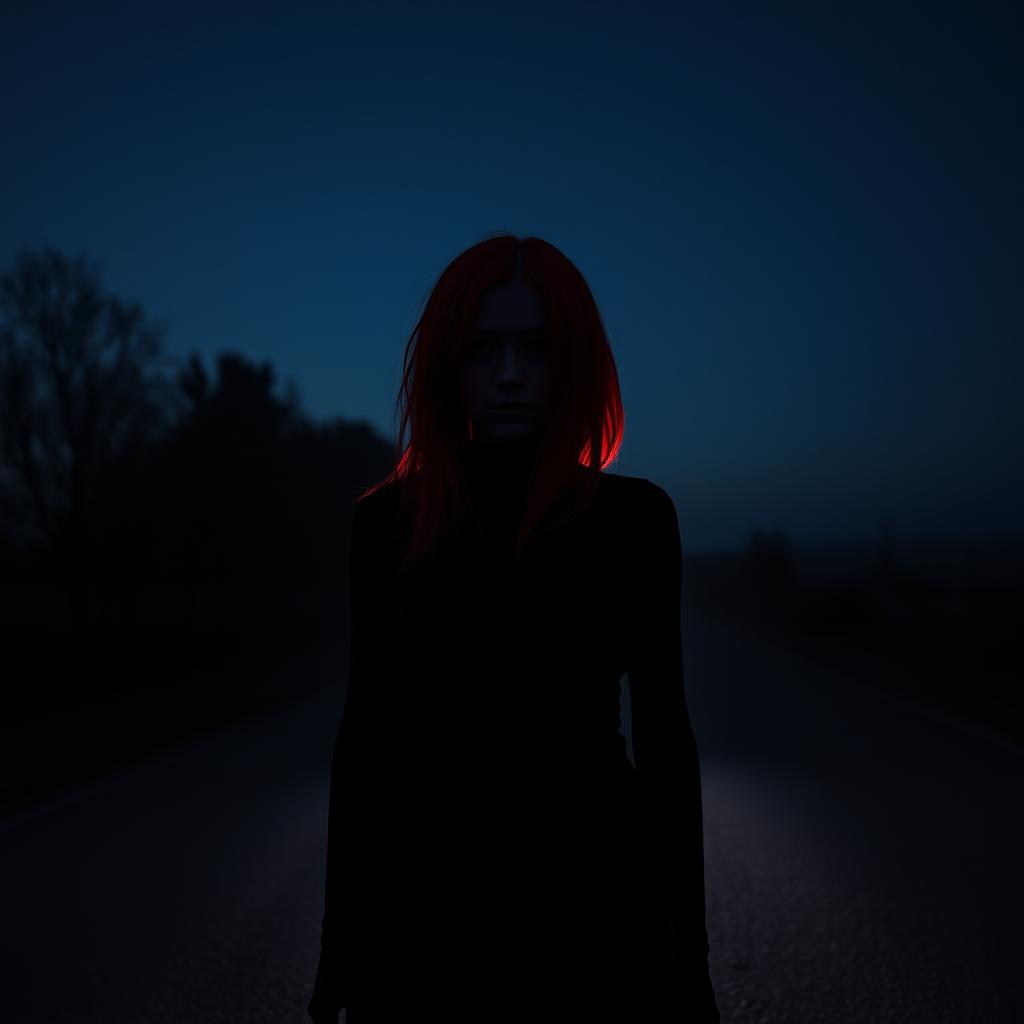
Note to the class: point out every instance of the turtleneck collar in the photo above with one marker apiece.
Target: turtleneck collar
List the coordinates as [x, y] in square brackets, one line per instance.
[498, 474]
[502, 456]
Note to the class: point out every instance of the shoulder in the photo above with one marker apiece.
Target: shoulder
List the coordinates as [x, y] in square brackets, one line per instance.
[379, 502]
[645, 516]
[374, 515]
[638, 496]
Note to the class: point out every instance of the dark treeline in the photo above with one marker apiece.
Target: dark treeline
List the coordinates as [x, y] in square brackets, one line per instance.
[158, 522]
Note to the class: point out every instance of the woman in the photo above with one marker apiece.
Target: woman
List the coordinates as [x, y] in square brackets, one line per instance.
[493, 854]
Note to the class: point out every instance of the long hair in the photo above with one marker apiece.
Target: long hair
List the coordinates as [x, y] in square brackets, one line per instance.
[583, 430]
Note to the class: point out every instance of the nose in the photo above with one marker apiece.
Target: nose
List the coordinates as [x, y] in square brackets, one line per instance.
[510, 363]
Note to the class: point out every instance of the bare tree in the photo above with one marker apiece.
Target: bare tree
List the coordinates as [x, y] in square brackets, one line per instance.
[76, 388]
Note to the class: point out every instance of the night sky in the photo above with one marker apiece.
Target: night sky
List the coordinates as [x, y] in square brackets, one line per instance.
[803, 232]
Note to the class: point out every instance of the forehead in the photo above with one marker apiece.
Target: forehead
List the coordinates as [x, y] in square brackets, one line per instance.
[511, 306]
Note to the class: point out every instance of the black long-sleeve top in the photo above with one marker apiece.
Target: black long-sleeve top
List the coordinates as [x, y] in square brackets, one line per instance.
[480, 689]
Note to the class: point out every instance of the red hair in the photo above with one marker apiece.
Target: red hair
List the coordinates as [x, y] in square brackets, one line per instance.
[585, 417]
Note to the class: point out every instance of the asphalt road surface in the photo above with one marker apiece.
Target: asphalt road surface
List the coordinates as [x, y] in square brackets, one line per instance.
[864, 862]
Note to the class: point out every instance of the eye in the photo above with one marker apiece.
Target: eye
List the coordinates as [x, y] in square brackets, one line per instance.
[480, 344]
[483, 345]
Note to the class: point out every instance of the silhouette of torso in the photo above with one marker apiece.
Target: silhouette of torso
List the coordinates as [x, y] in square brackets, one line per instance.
[488, 832]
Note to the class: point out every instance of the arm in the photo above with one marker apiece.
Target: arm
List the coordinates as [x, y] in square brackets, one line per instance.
[664, 746]
[350, 767]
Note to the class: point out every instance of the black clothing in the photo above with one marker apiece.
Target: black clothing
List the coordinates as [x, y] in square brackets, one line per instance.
[493, 854]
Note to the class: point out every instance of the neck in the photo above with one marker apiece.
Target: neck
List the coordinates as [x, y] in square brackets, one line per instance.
[498, 475]
[498, 448]
[511, 460]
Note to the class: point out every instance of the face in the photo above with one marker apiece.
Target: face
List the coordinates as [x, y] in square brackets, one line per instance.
[507, 360]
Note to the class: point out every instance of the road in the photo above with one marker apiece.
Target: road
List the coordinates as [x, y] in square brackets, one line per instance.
[863, 862]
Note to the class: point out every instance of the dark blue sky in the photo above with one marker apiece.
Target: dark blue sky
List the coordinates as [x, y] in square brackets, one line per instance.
[803, 232]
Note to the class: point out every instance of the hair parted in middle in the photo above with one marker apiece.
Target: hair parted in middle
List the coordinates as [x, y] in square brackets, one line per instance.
[583, 431]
